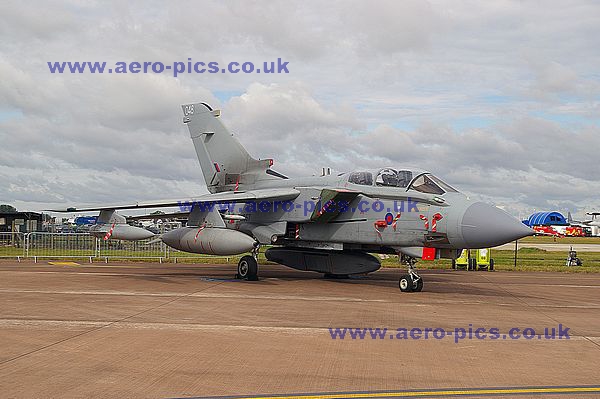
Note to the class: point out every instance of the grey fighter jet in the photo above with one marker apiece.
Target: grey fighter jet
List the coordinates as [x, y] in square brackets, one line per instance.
[329, 224]
[585, 223]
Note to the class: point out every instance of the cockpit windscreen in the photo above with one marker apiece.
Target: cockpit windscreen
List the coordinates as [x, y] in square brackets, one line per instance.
[428, 183]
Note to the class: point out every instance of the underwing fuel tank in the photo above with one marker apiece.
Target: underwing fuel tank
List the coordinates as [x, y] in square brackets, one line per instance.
[324, 261]
[209, 241]
[120, 232]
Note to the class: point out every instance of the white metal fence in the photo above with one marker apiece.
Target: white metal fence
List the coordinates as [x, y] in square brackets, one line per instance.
[149, 248]
[60, 245]
[85, 246]
[12, 245]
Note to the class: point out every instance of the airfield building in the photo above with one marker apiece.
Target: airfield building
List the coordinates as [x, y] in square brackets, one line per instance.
[547, 219]
[23, 222]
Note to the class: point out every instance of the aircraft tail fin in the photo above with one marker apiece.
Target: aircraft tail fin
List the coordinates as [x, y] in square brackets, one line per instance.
[569, 218]
[225, 163]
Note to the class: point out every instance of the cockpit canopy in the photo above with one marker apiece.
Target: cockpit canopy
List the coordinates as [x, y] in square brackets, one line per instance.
[401, 178]
[393, 178]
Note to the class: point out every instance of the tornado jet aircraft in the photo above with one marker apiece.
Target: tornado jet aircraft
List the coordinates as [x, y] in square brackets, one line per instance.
[329, 224]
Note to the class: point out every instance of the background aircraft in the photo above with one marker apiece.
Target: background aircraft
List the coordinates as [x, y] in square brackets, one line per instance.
[327, 224]
[593, 222]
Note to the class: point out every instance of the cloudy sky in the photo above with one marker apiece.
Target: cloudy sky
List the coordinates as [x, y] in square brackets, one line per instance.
[501, 99]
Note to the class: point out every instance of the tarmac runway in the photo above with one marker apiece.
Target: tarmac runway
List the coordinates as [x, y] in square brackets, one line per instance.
[171, 330]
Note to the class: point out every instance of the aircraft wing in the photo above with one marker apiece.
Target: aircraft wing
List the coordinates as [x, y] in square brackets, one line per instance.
[273, 194]
[159, 216]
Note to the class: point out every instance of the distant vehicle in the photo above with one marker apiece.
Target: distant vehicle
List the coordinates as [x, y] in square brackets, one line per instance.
[474, 259]
[575, 231]
[484, 260]
[463, 260]
[85, 220]
[546, 231]
[589, 227]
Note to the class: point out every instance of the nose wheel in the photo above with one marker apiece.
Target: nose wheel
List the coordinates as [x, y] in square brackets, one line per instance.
[410, 282]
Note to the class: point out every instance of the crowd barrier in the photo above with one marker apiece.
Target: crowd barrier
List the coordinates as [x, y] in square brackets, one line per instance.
[40, 245]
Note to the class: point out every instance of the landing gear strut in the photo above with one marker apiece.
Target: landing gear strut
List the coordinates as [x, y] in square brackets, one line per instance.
[248, 266]
[410, 282]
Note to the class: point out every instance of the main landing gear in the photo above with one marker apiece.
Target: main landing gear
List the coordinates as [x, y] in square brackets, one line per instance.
[410, 282]
[248, 266]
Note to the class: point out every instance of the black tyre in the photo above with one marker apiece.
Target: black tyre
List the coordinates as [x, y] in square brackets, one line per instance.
[491, 268]
[418, 285]
[474, 264]
[454, 264]
[247, 268]
[405, 283]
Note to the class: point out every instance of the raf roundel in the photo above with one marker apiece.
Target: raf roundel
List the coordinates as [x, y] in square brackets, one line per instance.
[389, 218]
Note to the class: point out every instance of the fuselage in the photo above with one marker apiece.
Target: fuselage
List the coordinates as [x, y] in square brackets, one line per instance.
[406, 208]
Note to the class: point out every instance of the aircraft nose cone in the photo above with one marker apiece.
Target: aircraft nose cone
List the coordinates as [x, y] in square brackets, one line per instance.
[485, 226]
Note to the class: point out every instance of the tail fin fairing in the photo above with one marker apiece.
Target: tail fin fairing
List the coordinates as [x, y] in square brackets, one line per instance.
[225, 163]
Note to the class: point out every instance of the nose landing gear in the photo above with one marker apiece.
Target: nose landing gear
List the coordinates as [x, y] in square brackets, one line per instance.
[411, 282]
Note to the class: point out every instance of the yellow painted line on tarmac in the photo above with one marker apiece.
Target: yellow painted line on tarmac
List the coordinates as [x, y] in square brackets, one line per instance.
[441, 393]
[64, 263]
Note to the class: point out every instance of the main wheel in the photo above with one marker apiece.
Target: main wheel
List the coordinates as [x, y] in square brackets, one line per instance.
[491, 268]
[405, 283]
[248, 268]
[418, 285]
[454, 264]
